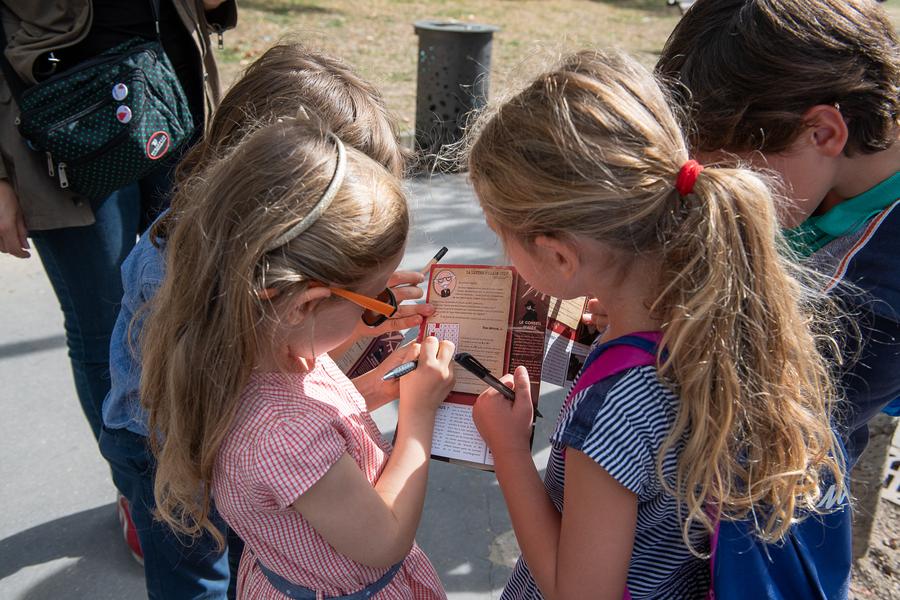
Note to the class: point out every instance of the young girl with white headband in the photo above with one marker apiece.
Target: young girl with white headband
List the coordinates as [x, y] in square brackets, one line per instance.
[289, 240]
[709, 398]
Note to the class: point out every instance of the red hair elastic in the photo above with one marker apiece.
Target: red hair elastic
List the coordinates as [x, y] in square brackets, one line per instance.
[687, 176]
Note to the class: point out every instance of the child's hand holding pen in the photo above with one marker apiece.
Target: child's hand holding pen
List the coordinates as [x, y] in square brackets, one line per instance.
[504, 425]
[423, 390]
[470, 364]
[373, 386]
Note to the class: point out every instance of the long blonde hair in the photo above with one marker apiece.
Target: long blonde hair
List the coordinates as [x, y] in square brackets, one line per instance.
[593, 149]
[286, 78]
[209, 322]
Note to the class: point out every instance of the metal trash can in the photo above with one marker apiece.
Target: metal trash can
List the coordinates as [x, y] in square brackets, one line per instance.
[452, 80]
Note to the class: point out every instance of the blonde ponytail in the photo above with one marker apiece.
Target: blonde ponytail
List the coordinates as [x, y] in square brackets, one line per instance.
[756, 392]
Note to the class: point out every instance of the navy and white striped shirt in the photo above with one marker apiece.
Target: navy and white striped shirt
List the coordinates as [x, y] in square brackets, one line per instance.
[621, 423]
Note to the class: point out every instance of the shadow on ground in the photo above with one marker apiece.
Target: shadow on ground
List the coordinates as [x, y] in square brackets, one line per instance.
[85, 544]
[465, 528]
[286, 7]
[653, 6]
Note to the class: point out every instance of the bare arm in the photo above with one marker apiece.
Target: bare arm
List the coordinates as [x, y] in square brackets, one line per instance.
[583, 553]
[376, 525]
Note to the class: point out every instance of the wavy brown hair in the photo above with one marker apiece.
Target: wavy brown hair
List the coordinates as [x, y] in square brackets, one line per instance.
[285, 79]
[749, 69]
[208, 322]
[592, 149]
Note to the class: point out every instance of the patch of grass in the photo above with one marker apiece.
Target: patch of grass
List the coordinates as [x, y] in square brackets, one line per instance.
[228, 54]
[377, 37]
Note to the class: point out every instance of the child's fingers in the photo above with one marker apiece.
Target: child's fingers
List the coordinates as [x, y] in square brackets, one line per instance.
[408, 292]
[595, 314]
[521, 379]
[522, 386]
[412, 278]
[408, 352]
[446, 350]
[396, 324]
[429, 349]
[409, 310]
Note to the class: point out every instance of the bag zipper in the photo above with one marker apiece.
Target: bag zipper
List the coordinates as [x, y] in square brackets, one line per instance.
[96, 152]
[148, 47]
[137, 74]
[49, 164]
[220, 32]
[75, 117]
[63, 180]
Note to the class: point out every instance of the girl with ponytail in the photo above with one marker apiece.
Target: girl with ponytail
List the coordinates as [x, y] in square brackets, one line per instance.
[586, 177]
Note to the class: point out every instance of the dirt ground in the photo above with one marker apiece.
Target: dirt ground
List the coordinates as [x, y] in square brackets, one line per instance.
[377, 38]
[876, 530]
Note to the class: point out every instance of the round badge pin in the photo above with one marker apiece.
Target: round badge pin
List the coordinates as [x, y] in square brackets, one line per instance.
[157, 145]
[123, 114]
[119, 91]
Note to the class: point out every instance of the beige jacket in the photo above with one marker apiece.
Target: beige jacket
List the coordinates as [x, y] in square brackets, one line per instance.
[34, 27]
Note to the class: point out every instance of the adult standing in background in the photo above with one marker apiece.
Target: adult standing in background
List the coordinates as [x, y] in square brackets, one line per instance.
[82, 243]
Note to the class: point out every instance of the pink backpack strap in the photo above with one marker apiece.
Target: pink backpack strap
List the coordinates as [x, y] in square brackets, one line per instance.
[616, 356]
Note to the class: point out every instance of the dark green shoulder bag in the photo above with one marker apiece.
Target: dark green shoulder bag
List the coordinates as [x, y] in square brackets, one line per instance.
[106, 122]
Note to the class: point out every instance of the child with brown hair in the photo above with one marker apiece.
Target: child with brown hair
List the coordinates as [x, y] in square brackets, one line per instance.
[285, 79]
[811, 90]
[288, 242]
[586, 177]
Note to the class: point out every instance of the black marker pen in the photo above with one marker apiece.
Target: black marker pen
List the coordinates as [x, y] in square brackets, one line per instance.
[471, 364]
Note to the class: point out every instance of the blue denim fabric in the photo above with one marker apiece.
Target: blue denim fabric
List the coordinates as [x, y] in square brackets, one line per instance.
[174, 568]
[298, 592]
[82, 264]
[142, 273]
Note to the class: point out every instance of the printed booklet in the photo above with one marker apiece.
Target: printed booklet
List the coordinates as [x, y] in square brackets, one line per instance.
[568, 341]
[368, 353]
[493, 314]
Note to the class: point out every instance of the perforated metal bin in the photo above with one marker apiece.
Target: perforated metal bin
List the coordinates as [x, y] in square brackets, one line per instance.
[453, 79]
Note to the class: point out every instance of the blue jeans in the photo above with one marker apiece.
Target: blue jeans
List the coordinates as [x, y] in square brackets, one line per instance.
[82, 264]
[175, 569]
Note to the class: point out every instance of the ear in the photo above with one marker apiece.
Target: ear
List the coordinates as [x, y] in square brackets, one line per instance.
[303, 304]
[558, 254]
[826, 129]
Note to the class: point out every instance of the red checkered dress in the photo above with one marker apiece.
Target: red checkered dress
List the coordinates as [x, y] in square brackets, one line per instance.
[290, 429]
